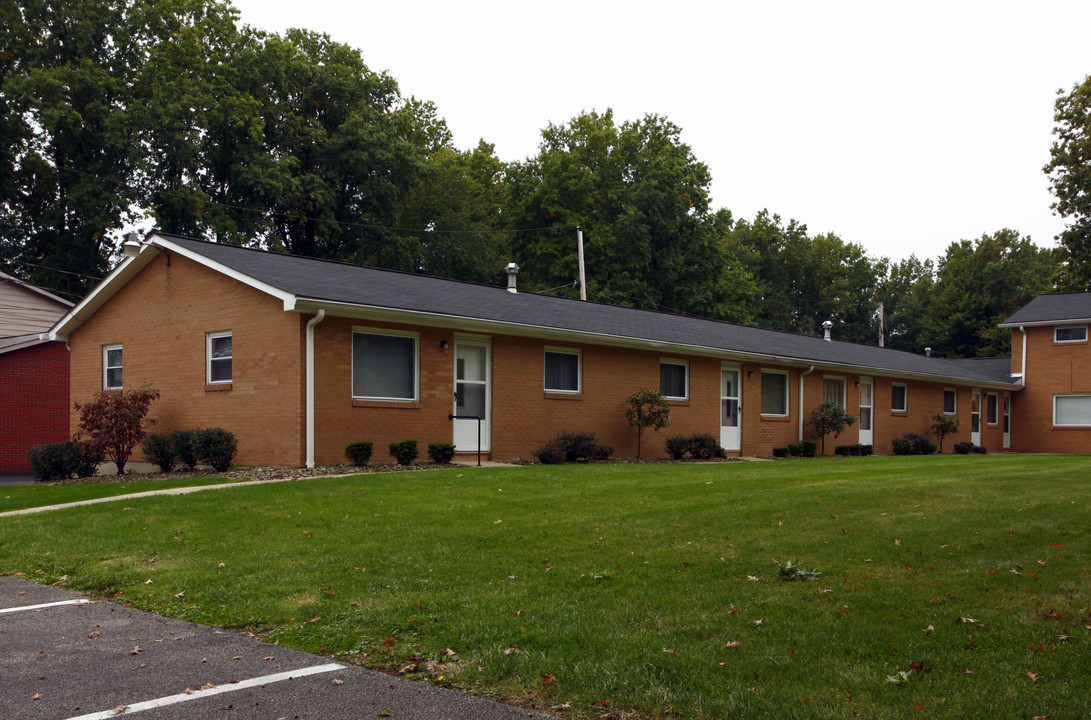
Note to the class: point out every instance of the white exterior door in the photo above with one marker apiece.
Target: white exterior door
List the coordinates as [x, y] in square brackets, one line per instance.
[730, 438]
[472, 396]
[1007, 421]
[975, 418]
[867, 435]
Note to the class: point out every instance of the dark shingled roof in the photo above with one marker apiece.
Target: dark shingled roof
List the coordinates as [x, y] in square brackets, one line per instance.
[322, 280]
[997, 368]
[1055, 307]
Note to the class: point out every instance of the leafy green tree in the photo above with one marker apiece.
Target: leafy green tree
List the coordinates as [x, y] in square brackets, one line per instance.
[647, 409]
[641, 198]
[905, 289]
[942, 426]
[1069, 171]
[979, 284]
[830, 418]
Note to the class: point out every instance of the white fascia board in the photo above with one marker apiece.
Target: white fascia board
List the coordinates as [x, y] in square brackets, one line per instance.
[455, 322]
[1045, 323]
[289, 299]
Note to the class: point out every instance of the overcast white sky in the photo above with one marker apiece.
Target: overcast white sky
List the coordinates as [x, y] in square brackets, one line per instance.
[900, 126]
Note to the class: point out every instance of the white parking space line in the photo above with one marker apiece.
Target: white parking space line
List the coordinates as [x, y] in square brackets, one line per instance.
[81, 601]
[208, 692]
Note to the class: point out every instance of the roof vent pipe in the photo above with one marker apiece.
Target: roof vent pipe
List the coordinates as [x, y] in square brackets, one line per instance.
[826, 328]
[512, 270]
[928, 352]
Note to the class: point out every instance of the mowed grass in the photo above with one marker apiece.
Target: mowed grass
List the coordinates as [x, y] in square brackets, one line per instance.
[953, 587]
[43, 494]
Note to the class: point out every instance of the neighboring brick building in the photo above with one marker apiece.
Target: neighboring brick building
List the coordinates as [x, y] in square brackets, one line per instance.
[299, 357]
[33, 373]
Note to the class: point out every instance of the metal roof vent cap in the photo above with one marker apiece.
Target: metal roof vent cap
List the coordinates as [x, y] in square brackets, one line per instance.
[826, 328]
[132, 245]
[928, 352]
[512, 270]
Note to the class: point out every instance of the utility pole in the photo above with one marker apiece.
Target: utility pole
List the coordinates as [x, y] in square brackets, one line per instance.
[583, 274]
[882, 330]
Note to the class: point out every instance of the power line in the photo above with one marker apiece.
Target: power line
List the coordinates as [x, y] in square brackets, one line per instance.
[44, 267]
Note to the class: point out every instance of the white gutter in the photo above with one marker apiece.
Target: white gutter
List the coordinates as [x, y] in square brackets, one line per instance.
[801, 376]
[310, 384]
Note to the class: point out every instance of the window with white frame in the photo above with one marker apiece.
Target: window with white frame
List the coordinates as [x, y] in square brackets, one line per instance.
[899, 397]
[1070, 334]
[219, 357]
[950, 401]
[1072, 410]
[674, 379]
[992, 404]
[384, 365]
[833, 391]
[774, 393]
[111, 367]
[562, 370]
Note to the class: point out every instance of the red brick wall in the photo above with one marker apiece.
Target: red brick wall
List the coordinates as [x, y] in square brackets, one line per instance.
[1052, 369]
[161, 317]
[33, 402]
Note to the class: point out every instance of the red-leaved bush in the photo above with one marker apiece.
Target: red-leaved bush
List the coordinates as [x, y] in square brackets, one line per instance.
[113, 423]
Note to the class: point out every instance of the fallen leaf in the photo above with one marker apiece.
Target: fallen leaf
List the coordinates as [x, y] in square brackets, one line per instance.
[1033, 676]
[269, 657]
[968, 671]
[180, 594]
[36, 696]
[148, 581]
[136, 650]
[548, 679]
[497, 522]
[94, 634]
[337, 681]
[222, 565]
[733, 644]
[751, 578]
[733, 611]
[509, 651]
[758, 623]
[966, 620]
[929, 630]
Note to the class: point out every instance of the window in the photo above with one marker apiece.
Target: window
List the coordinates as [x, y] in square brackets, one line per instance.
[991, 417]
[562, 371]
[950, 401]
[672, 379]
[774, 393]
[1072, 410]
[219, 357]
[384, 365]
[898, 397]
[1070, 334]
[833, 391]
[111, 367]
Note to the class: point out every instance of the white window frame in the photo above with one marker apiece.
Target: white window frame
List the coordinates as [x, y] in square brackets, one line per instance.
[905, 397]
[995, 409]
[787, 392]
[1070, 327]
[844, 389]
[954, 394]
[1069, 395]
[209, 337]
[415, 337]
[106, 367]
[685, 365]
[579, 369]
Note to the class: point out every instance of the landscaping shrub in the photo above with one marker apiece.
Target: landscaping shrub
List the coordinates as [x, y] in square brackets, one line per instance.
[780, 452]
[676, 446]
[359, 453]
[980, 450]
[942, 426]
[59, 461]
[808, 448]
[85, 461]
[855, 450]
[647, 409]
[405, 452]
[215, 446]
[705, 447]
[866, 450]
[113, 423]
[829, 418]
[964, 448]
[795, 450]
[185, 447]
[573, 447]
[441, 453]
[160, 450]
[843, 450]
[913, 444]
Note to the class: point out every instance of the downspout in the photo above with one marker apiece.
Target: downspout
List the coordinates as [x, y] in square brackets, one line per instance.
[801, 376]
[1023, 364]
[310, 384]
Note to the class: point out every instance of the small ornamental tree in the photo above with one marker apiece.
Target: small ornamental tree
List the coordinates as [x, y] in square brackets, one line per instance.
[942, 426]
[830, 418]
[647, 409]
[113, 423]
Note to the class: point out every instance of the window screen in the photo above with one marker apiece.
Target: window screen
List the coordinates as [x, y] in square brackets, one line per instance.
[774, 394]
[672, 379]
[384, 366]
[562, 371]
[1072, 410]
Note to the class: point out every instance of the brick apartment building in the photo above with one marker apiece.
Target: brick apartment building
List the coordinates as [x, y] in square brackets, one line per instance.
[298, 357]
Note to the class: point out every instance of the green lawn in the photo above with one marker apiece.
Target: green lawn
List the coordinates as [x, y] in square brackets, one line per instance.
[953, 587]
[43, 494]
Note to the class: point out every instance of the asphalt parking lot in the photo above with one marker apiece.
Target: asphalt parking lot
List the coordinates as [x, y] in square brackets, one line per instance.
[63, 657]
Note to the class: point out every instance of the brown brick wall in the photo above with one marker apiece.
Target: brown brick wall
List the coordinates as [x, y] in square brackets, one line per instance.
[161, 316]
[1052, 369]
[33, 402]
